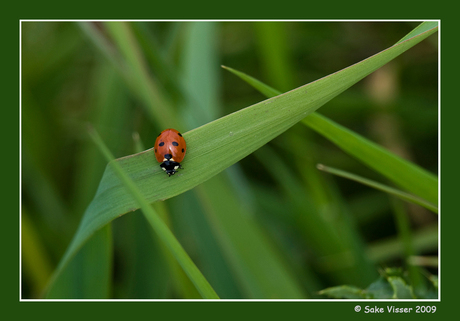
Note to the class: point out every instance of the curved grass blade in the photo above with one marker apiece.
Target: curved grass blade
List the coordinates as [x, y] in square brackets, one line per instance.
[384, 188]
[400, 171]
[215, 146]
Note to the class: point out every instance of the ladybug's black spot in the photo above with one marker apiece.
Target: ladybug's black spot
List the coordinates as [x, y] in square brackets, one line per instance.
[155, 150]
[175, 143]
[183, 150]
[168, 156]
[162, 143]
[179, 134]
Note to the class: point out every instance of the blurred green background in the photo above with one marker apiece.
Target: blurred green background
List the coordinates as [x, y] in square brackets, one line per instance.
[317, 230]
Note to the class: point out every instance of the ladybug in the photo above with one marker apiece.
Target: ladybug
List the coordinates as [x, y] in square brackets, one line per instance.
[170, 150]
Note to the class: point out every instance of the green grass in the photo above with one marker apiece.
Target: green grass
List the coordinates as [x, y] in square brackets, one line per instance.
[240, 217]
[392, 191]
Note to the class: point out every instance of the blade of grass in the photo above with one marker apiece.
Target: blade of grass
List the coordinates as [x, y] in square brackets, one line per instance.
[221, 143]
[425, 26]
[384, 188]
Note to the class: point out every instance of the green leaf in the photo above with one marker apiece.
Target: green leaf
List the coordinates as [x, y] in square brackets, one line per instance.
[217, 145]
[400, 289]
[387, 286]
[380, 289]
[344, 292]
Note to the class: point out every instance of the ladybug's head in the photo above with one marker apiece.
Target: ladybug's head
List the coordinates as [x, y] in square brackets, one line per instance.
[170, 167]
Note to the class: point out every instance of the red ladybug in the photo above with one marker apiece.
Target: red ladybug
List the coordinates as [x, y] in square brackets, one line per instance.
[170, 150]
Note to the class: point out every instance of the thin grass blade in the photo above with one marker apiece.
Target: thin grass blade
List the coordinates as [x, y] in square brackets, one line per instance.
[384, 188]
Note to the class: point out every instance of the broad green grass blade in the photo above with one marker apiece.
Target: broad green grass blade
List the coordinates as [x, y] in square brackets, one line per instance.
[384, 188]
[403, 173]
[215, 146]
